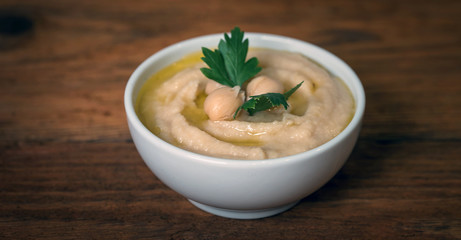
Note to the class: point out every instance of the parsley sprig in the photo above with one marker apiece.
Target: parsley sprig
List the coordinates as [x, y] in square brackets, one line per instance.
[266, 101]
[228, 66]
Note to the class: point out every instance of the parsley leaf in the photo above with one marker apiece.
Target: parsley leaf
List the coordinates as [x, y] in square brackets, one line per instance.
[266, 101]
[227, 64]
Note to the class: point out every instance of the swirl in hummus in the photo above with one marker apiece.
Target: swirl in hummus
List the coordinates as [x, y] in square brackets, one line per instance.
[319, 110]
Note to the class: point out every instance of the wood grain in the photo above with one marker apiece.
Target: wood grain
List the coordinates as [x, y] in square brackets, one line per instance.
[69, 170]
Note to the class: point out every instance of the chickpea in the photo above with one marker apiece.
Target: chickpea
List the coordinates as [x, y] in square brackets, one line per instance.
[262, 85]
[221, 104]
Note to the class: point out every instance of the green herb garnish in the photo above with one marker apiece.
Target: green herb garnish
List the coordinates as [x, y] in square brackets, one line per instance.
[266, 101]
[228, 66]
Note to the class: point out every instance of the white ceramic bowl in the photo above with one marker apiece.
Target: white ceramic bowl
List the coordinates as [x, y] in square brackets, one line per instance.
[243, 189]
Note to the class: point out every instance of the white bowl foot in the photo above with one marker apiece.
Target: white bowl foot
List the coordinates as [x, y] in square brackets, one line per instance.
[243, 214]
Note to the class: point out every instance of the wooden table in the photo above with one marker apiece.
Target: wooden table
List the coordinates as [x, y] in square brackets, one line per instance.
[69, 169]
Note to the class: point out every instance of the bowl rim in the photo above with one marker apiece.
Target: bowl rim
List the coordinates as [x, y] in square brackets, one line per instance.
[132, 117]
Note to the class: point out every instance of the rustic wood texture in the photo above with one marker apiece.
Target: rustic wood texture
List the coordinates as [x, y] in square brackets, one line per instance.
[69, 170]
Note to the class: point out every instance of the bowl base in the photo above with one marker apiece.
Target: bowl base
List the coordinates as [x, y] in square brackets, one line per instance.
[243, 214]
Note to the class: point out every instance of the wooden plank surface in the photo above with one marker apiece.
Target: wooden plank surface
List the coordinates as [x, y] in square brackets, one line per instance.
[69, 170]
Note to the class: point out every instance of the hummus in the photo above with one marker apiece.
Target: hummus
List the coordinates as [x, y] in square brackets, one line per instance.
[171, 106]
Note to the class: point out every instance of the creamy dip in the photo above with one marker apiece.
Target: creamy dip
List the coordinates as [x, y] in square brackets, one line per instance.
[170, 104]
